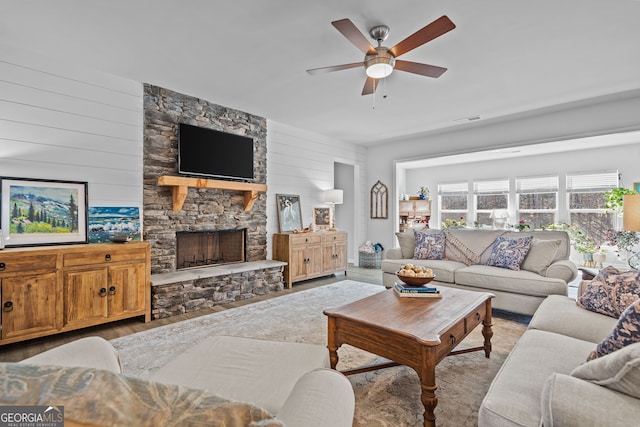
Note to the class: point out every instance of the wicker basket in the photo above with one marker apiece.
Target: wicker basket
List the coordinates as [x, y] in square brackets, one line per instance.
[370, 260]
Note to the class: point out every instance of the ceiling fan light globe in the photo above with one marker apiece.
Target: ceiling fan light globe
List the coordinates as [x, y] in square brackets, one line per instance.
[379, 70]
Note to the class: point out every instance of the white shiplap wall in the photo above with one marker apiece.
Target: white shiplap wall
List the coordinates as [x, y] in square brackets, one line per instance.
[301, 162]
[60, 121]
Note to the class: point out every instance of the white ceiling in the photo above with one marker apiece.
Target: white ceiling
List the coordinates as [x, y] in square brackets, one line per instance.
[504, 57]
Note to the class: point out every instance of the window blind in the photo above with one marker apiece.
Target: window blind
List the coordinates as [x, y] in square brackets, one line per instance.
[453, 189]
[491, 187]
[592, 182]
[539, 184]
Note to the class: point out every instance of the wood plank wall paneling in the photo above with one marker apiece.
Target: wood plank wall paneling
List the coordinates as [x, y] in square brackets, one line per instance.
[61, 121]
[302, 163]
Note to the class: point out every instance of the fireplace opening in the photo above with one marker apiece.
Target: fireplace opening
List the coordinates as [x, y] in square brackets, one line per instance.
[210, 247]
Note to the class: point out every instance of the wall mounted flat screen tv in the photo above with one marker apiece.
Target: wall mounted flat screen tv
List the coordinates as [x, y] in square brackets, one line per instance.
[211, 153]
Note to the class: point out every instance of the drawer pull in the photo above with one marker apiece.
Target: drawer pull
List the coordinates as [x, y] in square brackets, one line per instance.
[8, 306]
[477, 316]
[452, 338]
[112, 290]
[107, 257]
[2, 266]
[103, 292]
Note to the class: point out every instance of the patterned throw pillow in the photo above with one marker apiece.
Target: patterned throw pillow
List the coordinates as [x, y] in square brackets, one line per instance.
[626, 331]
[611, 292]
[509, 252]
[429, 246]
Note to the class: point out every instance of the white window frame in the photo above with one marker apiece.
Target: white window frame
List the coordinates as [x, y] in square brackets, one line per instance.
[453, 189]
[488, 187]
[537, 185]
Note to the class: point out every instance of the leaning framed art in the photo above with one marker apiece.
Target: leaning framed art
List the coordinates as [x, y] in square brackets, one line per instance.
[289, 212]
[42, 212]
[322, 218]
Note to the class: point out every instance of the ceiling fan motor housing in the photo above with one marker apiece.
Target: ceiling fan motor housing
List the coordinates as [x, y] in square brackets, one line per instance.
[379, 65]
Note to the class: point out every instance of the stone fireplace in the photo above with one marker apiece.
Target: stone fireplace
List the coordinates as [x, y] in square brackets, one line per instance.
[210, 247]
[193, 263]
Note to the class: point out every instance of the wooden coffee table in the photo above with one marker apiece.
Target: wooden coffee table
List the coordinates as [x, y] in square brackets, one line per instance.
[416, 332]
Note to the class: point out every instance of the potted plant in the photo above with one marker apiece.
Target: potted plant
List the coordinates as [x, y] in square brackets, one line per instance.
[613, 199]
[424, 193]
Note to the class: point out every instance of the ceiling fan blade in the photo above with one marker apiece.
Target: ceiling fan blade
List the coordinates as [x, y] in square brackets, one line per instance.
[323, 70]
[435, 29]
[370, 86]
[351, 32]
[418, 68]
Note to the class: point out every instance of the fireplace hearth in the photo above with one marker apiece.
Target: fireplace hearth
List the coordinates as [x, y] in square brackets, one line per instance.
[210, 247]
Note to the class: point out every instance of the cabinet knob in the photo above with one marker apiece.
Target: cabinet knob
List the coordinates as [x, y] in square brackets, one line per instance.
[112, 290]
[103, 292]
[8, 306]
[452, 338]
[477, 316]
[107, 257]
[2, 266]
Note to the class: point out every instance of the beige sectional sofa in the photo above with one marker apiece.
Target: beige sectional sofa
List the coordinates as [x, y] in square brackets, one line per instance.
[545, 271]
[222, 381]
[547, 381]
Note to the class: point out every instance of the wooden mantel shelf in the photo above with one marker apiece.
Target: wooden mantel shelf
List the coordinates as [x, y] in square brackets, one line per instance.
[181, 186]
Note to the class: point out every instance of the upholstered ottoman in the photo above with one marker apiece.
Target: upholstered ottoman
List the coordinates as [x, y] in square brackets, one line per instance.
[244, 369]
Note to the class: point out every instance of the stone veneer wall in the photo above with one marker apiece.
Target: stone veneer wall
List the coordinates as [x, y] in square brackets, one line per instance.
[204, 209]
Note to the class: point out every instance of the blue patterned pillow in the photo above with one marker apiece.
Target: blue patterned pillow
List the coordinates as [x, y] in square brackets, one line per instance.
[626, 331]
[509, 252]
[611, 292]
[429, 246]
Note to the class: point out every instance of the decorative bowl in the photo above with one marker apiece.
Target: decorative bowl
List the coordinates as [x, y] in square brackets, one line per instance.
[120, 238]
[415, 280]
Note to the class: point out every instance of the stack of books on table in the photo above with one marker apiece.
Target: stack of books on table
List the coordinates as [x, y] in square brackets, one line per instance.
[417, 291]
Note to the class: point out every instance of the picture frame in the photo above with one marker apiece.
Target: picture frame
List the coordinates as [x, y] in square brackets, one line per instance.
[289, 213]
[322, 218]
[108, 223]
[37, 212]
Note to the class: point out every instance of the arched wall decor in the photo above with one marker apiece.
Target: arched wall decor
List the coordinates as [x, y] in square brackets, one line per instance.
[379, 201]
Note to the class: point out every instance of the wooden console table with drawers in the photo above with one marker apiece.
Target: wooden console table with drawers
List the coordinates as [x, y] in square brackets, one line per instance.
[310, 255]
[47, 290]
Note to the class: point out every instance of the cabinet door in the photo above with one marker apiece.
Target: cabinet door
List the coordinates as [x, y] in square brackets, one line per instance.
[126, 289]
[85, 296]
[341, 256]
[314, 264]
[335, 257]
[28, 305]
[298, 263]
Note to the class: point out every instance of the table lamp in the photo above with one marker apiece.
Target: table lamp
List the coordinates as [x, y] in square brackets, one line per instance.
[333, 197]
[631, 222]
[499, 217]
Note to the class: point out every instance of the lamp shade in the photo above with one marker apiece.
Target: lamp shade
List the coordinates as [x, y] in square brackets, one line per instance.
[332, 196]
[631, 212]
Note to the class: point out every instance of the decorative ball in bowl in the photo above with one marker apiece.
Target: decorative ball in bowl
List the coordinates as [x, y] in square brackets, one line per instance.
[415, 276]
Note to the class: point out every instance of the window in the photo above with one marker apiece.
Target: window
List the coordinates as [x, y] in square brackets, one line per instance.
[587, 204]
[490, 195]
[453, 201]
[537, 200]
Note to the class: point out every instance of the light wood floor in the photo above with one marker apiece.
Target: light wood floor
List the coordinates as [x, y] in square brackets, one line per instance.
[21, 350]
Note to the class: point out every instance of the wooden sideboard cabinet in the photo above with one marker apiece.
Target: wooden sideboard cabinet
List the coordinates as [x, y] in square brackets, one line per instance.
[310, 255]
[44, 291]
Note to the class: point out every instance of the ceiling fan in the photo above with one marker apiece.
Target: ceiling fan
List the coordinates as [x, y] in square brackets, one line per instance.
[379, 62]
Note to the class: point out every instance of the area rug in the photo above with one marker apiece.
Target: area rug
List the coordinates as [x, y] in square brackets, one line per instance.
[384, 398]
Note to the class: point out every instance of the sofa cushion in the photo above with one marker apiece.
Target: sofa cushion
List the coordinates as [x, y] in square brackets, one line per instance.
[407, 242]
[246, 369]
[540, 256]
[561, 315]
[611, 291]
[509, 252]
[513, 398]
[505, 280]
[444, 270]
[128, 402]
[429, 245]
[618, 371]
[626, 332]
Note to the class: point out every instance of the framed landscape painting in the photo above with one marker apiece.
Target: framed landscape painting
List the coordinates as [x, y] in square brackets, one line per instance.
[107, 221]
[42, 212]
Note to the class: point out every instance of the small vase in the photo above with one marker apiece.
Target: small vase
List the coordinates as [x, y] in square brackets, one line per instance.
[588, 260]
[422, 197]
